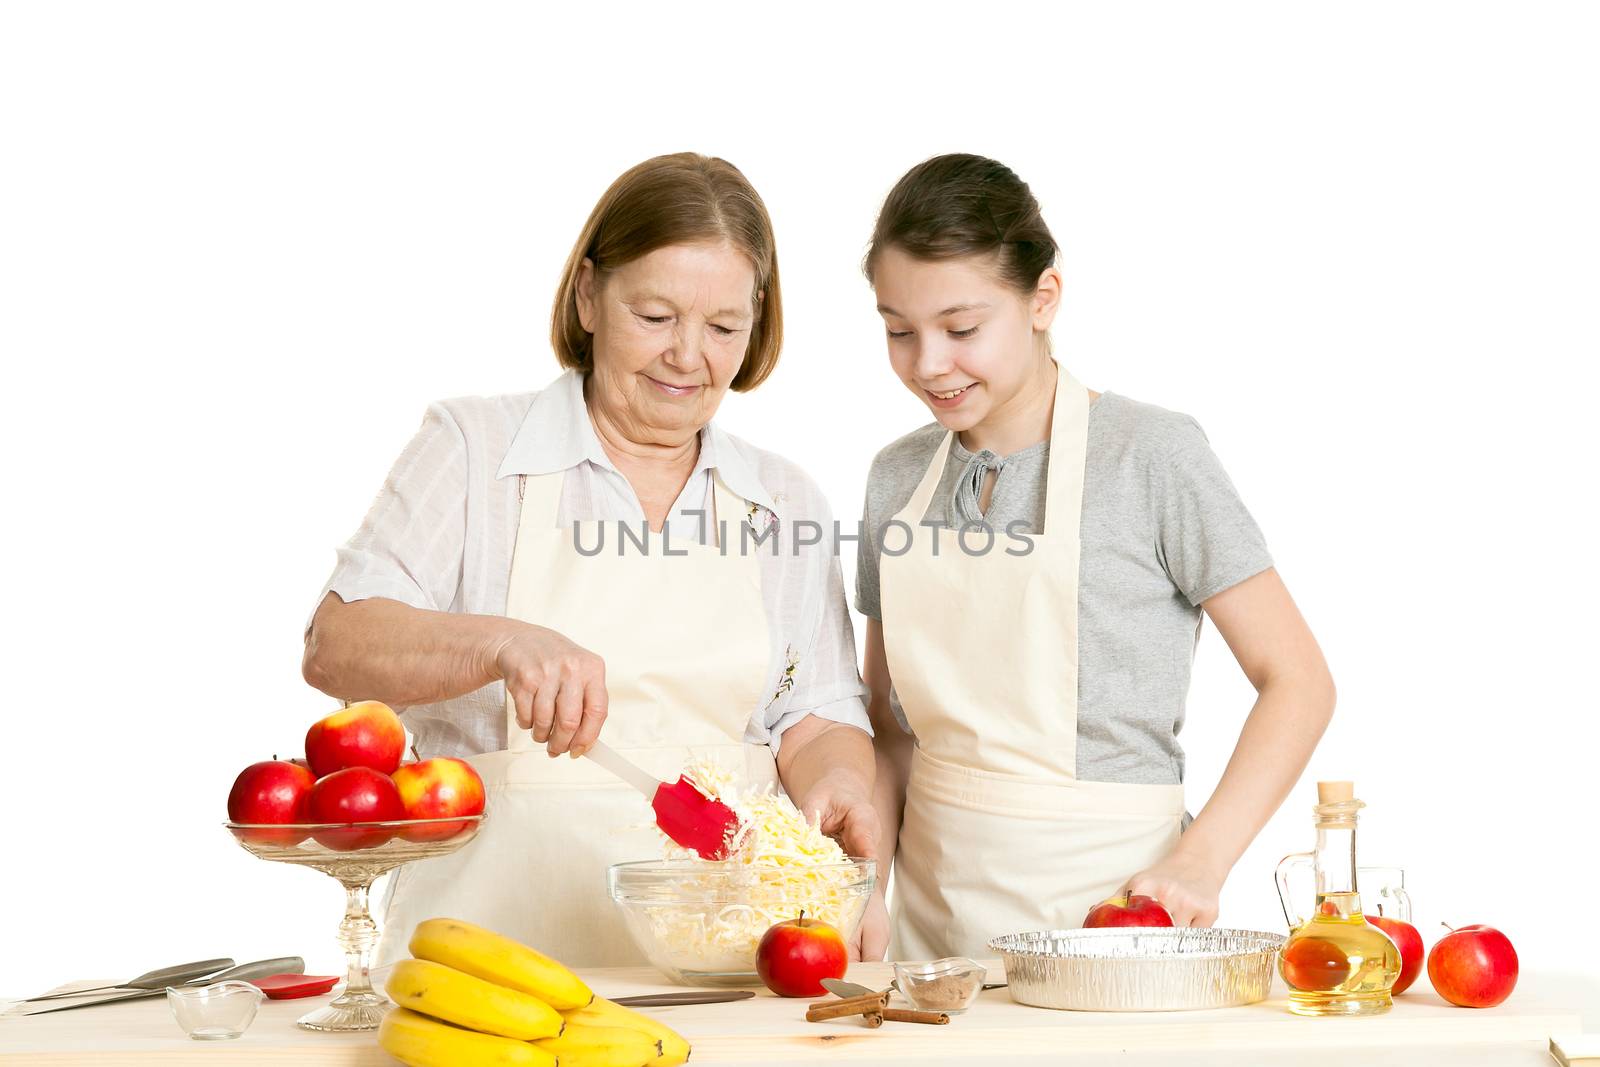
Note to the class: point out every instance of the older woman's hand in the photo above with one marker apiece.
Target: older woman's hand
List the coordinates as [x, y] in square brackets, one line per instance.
[844, 810]
[827, 769]
[559, 688]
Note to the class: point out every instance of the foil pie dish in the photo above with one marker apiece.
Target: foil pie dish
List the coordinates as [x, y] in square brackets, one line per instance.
[1139, 968]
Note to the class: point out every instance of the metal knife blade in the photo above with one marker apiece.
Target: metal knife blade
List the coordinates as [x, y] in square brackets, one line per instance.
[242, 973]
[662, 1000]
[840, 988]
[157, 979]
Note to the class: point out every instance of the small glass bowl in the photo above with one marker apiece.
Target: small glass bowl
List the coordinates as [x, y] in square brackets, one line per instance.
[220, 1011]
[949, 985]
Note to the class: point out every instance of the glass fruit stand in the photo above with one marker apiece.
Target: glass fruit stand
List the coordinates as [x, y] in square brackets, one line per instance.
[355, 854]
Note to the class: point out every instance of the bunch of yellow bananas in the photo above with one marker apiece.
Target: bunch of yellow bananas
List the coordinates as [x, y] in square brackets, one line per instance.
[472, 997]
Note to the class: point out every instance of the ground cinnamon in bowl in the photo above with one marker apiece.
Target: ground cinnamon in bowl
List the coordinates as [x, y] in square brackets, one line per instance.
[948, 992]
[943, 985]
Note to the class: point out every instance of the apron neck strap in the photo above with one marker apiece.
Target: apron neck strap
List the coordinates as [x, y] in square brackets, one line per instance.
[541, 499]
[917, 507]
[727, 508]
[1069, 426]
[1069, 436]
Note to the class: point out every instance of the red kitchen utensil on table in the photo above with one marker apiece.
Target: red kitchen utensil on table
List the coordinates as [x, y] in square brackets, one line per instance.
[295, 986]
[684, 814]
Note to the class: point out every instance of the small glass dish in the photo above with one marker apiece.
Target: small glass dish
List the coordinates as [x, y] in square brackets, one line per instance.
[949, 985]
[220, 1011]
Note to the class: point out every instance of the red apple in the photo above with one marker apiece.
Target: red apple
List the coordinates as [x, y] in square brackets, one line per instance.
[1474, 966]
[367, 734]
[1313, 964]
[797, 954]
[355, 794]
[1409, 942]
[272, 791]
[1136, 910]
[438, 789]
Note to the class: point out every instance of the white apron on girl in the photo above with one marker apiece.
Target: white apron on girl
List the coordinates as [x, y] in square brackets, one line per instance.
[999, 836]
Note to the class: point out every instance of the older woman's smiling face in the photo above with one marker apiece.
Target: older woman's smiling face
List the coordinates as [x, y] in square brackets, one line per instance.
[670, 333]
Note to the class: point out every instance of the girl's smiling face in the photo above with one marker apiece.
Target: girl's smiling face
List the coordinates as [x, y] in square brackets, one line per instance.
[960, 338]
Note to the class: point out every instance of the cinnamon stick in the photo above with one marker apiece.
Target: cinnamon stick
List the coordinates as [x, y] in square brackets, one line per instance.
[873, 1019]
[905, 1015]
[881, 999]
[843, 1008]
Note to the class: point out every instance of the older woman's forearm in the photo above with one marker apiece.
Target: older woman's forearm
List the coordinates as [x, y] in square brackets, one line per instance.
[1283, 729]
[828, 750]
[379, 649]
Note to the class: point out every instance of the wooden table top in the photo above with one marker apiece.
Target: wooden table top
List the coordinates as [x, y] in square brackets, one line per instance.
[772, 1031]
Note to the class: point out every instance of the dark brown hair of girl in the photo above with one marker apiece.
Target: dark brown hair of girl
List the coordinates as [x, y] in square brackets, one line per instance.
[683, 198]
[965, 205]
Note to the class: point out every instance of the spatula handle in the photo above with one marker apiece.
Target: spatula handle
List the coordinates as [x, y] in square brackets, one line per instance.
[637, 777]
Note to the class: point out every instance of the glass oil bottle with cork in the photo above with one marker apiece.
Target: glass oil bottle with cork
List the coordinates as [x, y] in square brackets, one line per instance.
[1335, 962]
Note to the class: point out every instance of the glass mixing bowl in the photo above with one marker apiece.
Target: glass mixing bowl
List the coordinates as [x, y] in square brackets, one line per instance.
[699, 922]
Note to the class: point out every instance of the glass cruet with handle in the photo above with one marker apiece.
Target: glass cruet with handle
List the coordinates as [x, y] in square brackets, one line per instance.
[1335, 962]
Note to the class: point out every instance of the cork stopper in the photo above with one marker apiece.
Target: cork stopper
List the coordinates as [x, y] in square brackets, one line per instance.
[1335, 792]
[1337, 806]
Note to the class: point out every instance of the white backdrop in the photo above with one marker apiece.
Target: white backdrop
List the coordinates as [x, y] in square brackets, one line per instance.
[243, 246]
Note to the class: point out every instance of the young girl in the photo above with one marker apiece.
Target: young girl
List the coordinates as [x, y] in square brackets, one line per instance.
[1034, 570]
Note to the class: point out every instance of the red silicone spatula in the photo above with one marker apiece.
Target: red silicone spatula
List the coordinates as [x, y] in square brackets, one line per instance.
[684, 814]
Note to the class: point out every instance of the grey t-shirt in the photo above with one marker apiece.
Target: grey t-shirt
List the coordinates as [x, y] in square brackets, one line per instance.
[1162, 530]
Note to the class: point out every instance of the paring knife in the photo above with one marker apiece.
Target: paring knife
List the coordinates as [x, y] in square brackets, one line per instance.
[160, 978]
[242, 973]
[840, 988]
[662, 1000]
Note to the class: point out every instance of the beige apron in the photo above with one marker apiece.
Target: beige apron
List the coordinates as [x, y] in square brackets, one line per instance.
[999, 836]
[685, 645]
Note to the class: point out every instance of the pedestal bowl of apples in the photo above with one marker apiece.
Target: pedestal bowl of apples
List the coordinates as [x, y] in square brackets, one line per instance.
[351, 809]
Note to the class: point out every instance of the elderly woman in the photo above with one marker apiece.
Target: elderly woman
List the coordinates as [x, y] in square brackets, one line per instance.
[473, 596]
